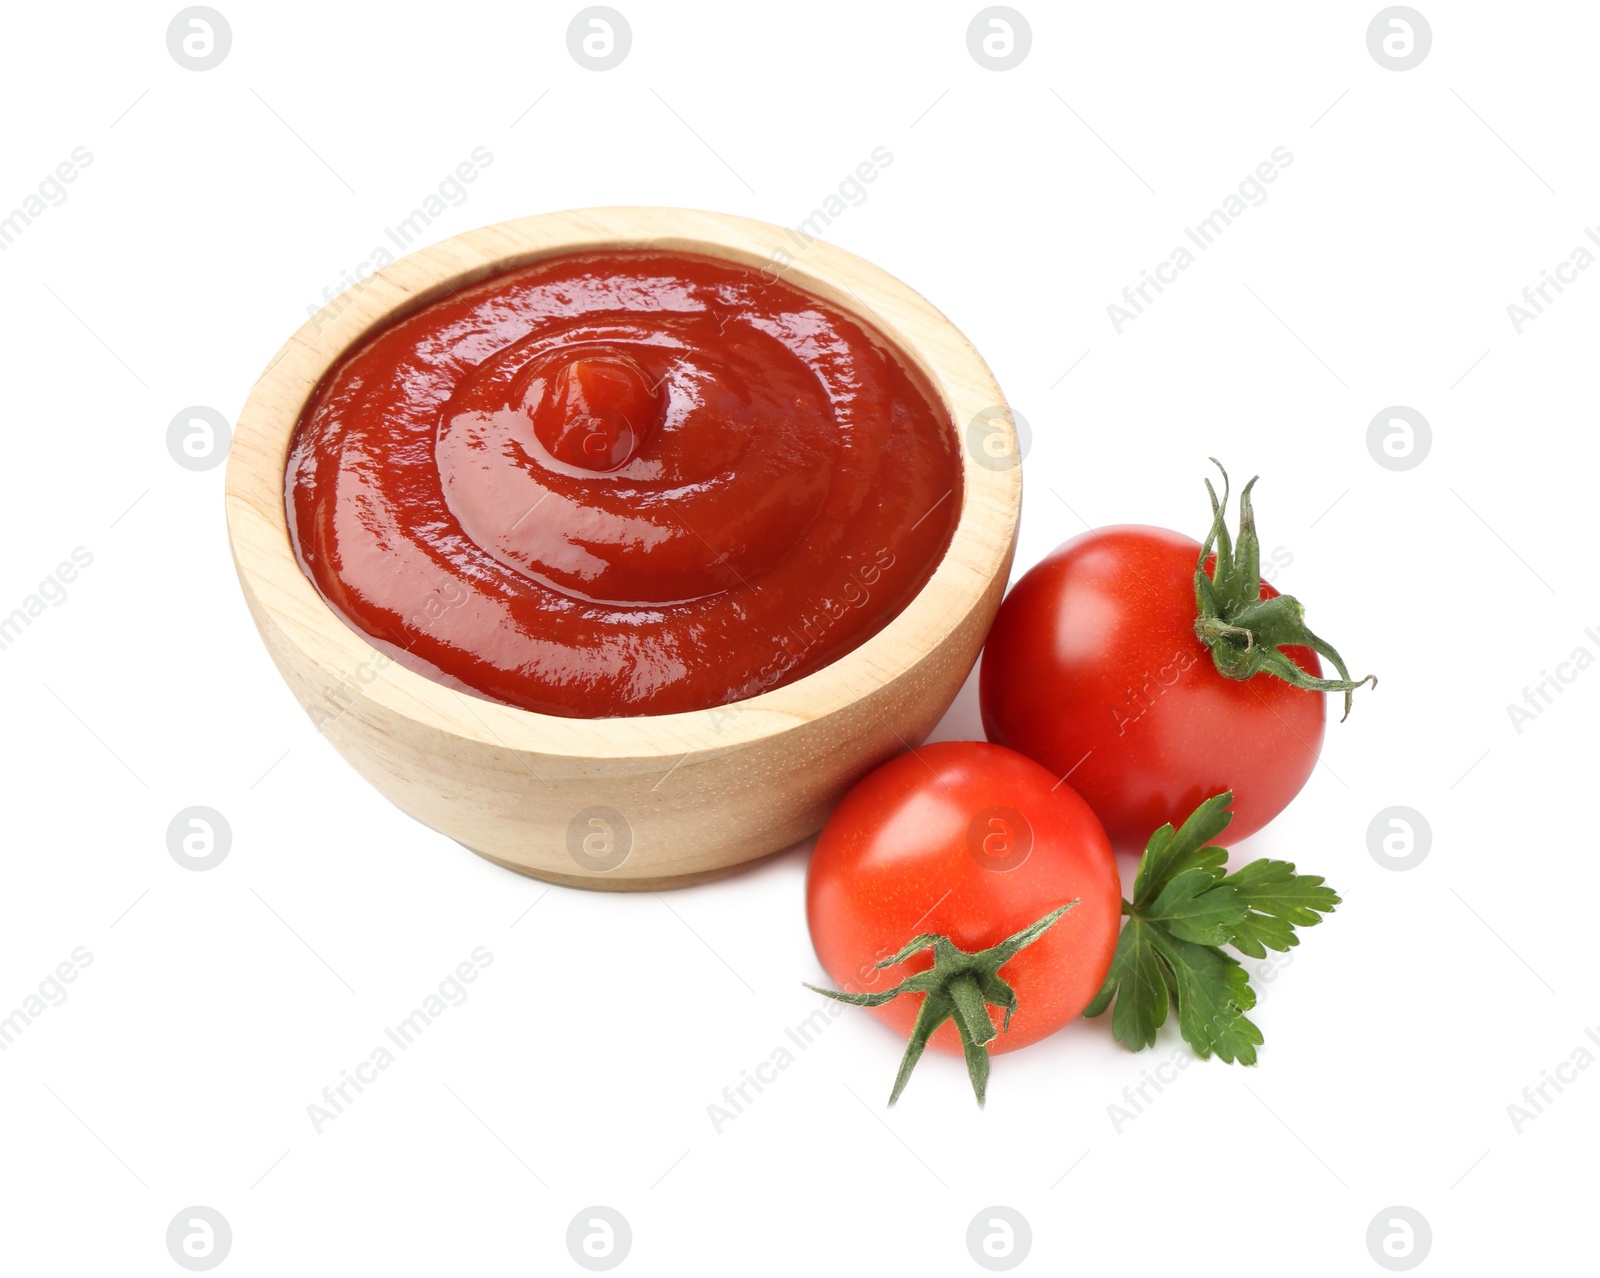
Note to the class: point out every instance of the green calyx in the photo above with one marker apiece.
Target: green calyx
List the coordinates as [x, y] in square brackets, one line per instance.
[1246, 633]
[956, 987]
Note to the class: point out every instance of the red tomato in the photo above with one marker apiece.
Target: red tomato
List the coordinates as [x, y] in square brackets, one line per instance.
[976, 843]
[1094, 669]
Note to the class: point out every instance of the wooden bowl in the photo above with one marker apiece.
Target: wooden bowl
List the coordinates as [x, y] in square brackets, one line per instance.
[655, 800]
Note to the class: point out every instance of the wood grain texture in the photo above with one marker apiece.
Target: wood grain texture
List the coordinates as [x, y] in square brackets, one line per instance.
[701, 792]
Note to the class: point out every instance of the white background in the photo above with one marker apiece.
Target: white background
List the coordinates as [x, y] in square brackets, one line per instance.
[219, 1004]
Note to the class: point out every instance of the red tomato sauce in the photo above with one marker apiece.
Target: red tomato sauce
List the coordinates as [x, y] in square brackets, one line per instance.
[620, 483]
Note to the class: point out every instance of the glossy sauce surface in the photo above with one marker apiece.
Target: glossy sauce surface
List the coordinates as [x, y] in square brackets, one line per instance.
[620, 483]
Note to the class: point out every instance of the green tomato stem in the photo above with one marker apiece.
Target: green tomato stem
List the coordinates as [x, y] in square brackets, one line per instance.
[958, 987]
[1245, 632]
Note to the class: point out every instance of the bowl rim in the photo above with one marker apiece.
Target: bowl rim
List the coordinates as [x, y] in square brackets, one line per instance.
[281, 594]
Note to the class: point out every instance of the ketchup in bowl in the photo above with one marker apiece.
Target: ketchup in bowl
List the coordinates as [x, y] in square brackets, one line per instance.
[620, 483]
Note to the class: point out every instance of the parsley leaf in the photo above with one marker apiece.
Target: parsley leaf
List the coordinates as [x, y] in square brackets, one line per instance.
[1213, 994]
[1139, 981]
[1276, 900]
[1185, 908]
